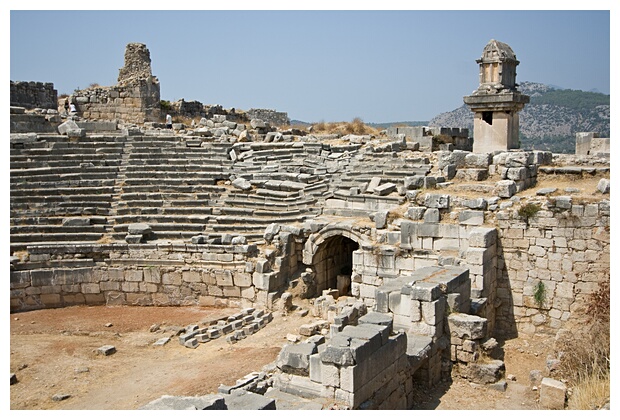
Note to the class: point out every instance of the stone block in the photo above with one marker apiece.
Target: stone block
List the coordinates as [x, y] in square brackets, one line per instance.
[296, 357]
[482, 237]
[471, 217]
[432, 216]
[426, 292]
[552, 394]
[414, 182]
[376, 318]
[167, 402]
[338, 355]
[243, 400]
[384, 189]
[314, 370]
[603, 186]
[415, 213]
[106, 350]
[485, 373]
[437, 201]
[505, 188]
[466, 326]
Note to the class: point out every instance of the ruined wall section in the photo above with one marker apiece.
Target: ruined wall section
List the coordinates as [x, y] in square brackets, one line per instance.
[566, 247]
[145, 274]
[136, 98]
[32, 95]
[136, 103]
[270, 116]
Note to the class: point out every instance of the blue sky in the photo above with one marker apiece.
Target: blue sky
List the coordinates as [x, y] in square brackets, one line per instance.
[378, 65]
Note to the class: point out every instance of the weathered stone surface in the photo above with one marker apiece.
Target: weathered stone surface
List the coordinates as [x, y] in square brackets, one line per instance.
[603, 186]
[106, 350]
[242, 184]
[438, 201]
[552, 394]
[467, 326]
[296, 357]
[168, 402]
[485, 373]
[506, 188]
[139, 229]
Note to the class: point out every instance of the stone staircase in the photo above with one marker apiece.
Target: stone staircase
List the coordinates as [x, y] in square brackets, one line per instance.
[169, 185]
[62, 191]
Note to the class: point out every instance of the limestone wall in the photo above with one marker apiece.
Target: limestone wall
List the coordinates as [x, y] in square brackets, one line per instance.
[33, 95]
[566, 246]
[135, 103]
[58, 276]
[270, 116]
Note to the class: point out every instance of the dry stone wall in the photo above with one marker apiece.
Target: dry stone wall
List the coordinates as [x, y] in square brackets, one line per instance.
[32, 95]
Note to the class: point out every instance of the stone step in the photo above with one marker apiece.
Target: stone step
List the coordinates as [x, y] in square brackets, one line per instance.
[184, 166]
[35, 193]
[58, 211]
[41, 228]
[47, 163]
[125, 211]
[226, 219]
[80, 183]
[173, 174]
[63, 177]
[53, 220]
[160, 219]
[274, 194]
[237, 229]
[162, 227]
[163, 187]
[62, 171]
[172, 182]
[55, 237]
[66, 198]
[57, 244]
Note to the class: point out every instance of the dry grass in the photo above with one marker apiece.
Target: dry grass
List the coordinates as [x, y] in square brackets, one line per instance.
[585, 354]
[356, 126]
[590, 394]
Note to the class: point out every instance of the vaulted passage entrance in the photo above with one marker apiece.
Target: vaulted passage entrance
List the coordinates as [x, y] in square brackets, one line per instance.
[333, 264]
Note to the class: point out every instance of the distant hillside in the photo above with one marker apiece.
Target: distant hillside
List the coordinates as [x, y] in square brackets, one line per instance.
[550, 120]
[375, 125]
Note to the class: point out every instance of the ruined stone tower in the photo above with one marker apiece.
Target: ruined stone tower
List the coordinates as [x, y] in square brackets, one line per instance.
[137, 64]
[135, 99]
[497, 102]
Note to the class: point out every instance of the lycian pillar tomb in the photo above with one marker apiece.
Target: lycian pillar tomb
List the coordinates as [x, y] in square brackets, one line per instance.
[497, 102]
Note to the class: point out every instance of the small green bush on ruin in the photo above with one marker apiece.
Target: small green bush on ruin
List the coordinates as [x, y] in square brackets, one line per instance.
[529, 210]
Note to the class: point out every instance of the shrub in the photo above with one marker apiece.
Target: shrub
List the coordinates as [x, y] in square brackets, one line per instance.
[529, 210]
[165, 105]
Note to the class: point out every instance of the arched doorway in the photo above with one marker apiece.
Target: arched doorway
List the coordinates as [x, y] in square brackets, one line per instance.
[332, 264]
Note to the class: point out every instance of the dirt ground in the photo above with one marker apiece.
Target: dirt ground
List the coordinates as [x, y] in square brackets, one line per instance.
[53, 352]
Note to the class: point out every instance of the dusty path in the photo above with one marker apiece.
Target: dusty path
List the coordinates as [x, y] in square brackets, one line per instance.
[53, 352]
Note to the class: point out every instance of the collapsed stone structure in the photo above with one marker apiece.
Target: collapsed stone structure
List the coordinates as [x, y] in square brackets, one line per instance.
[135, 99]
[415, 260]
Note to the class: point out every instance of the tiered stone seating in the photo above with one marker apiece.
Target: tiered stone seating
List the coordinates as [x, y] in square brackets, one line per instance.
[389, 170]
[170, 186]
[61, 191]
